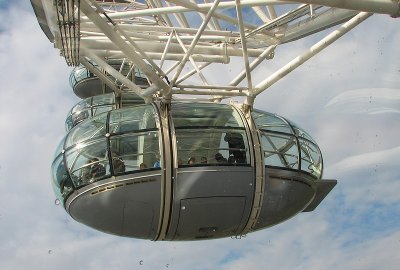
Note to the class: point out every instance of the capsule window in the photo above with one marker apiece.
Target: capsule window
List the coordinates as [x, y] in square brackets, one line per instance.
[94, 128]
[88, 162]
[285, 145]
[62, 183]
[311, 158]
[280, 150]
[135, 151]
[208, 133]
[271, 122]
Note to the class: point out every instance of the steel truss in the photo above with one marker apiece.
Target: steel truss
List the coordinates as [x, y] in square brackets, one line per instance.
[164, 38]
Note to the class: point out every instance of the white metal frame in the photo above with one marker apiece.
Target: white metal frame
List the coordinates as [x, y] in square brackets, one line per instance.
[165, 37]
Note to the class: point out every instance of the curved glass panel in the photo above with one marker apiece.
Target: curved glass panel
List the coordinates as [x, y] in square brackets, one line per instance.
[89, 107]
[271, 122]
[132, 144]
[132, 119]
[95, 127]
[83, 105]
[205, 115]
[285, 149]
[209, 133]
[60, 147]
[78, 74]
[135, 151]
[62, 184]
[300, 132]
[88, 162]
[81, 73]
[311, 158]
[101, 100]
[212, 146]
[280, 150]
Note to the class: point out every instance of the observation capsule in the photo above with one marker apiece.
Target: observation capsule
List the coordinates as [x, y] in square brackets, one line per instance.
[86, 84]
[185, 172]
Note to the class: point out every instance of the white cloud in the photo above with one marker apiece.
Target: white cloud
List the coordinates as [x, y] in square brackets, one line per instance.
[37, 234]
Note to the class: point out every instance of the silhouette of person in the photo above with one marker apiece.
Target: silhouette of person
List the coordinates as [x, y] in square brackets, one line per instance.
[118, 163]
[142, 166]
[220, 158]
[236, 146]
[192, 161]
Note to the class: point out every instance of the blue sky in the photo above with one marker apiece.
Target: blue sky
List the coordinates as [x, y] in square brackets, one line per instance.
[347, 98]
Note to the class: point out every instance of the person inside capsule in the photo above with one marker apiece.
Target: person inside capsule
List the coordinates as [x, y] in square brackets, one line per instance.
[118, 163]
[92, 170]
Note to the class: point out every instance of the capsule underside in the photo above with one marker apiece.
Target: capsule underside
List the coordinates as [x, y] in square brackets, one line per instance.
[191, 171]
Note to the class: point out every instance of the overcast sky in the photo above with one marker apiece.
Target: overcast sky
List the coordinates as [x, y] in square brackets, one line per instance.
[348, 98]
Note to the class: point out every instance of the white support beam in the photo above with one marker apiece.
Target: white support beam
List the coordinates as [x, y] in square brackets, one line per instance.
[244, 45]
[261, 14]
[156, 47]
[191, 73]
[214, 21]
[195, 40]
[266, 54]
[111, 54]
[195, 7]
[126, 48]
[390, 7]
[202, 7]
[161, 29]
[272, 12]
[210, 93]
[191, 61]
[100, 75]
[318, 47]
[157, 3]
[113, 72]
[166, 49]
[180, 18]
[322, 21]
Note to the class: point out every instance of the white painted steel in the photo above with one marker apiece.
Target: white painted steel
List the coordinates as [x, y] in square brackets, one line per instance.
[325, 42]
[180, 44]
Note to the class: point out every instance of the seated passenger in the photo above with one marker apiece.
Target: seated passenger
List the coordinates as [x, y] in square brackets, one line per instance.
[192, 161]
[85, 173]
[97, 170]
[236, 143]
[118, 164]
[220, 158]
[231, 159]
[66, 185]
[203, 160]
[180, 162]
[157, 164]
[142, 166]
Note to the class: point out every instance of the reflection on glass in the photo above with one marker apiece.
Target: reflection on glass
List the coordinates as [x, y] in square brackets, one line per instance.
[113, 143]
[128, 119]
[205, 115]
[94, 128]
[88, 163]
[311, 158]
[212, 146]
[280, 150]
[62, 183]
[137, 151]
[88, 108]
[209, 133]
[271, 122]
[285, 145]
